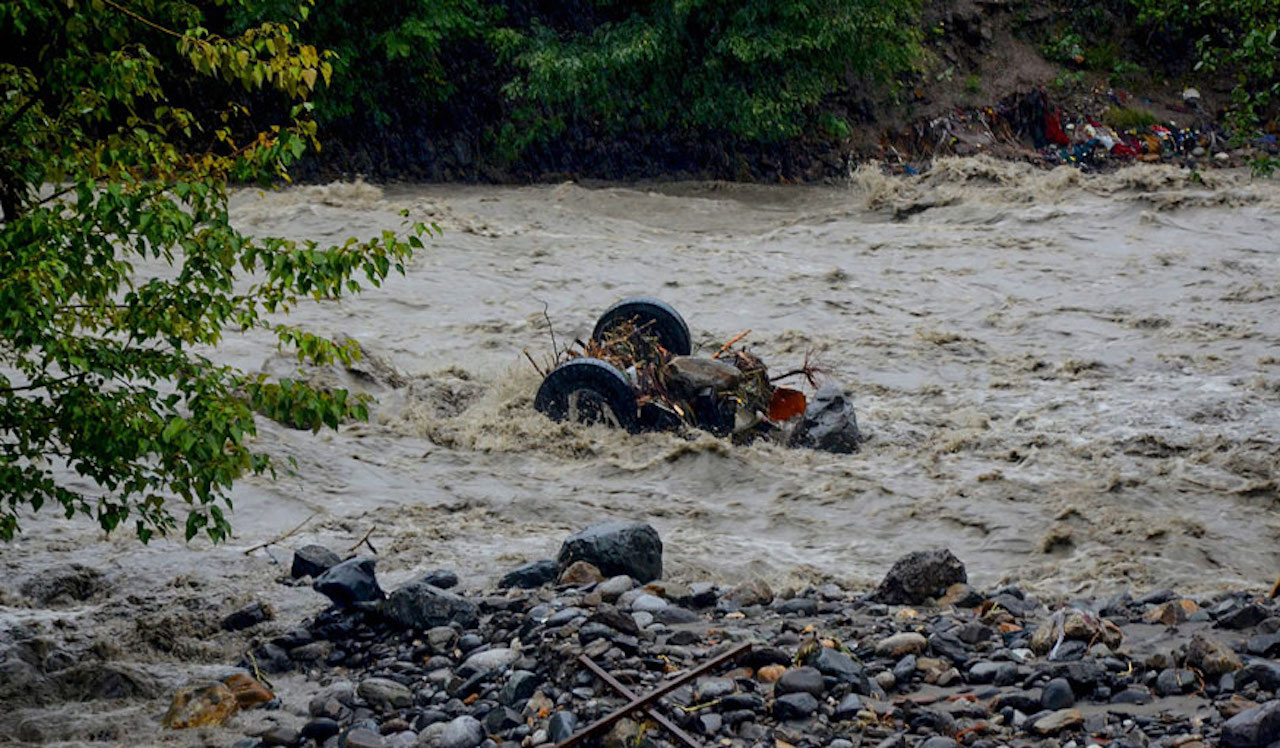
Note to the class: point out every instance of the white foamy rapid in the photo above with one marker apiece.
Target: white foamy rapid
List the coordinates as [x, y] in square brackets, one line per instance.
[1070, 381]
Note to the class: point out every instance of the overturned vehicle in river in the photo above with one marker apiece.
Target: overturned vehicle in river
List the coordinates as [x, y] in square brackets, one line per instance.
[638, 373]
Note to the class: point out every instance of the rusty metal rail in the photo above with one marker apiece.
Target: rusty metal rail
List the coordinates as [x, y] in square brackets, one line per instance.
[653, 713]
[645, 702]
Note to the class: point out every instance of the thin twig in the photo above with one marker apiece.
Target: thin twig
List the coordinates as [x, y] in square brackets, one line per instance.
[785, 375]
[278, 538]
[365, 541]
[142, 19]
[555, 350]
[729, 345]
[45, 383]
[535, 363]
[257, 672]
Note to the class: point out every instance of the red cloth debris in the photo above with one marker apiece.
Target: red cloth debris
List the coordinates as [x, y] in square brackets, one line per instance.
[1053, 129]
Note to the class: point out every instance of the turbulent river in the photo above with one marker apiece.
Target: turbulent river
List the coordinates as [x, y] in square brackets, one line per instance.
[1071, 381]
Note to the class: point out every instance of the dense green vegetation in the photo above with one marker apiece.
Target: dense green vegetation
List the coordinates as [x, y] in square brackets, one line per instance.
[119, 264]
[755, 69]
[1233, 40]
[483, 83]
[1236, 37]
[499, 78]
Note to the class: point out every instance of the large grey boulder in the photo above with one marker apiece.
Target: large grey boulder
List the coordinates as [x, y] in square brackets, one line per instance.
[1253, 728]
[829, 423]
[631, 548]
[312, 561]
[917, 577]
[418, 605]
[349, 582]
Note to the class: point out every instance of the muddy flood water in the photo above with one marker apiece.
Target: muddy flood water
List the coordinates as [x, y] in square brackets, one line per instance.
[1071, 381]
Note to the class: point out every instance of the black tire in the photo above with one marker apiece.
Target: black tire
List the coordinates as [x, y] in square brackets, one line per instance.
[657, 316]
[588, 390]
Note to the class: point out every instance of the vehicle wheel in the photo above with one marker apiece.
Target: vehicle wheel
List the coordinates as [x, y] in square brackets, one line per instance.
[658, 316]
[590, 391]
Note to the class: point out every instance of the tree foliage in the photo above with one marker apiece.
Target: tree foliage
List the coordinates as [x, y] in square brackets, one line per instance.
[386, 53]
[755, 69]
[119, 264]
[523, 71]
[1238, 37]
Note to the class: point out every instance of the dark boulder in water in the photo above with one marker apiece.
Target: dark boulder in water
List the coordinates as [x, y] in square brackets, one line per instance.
[631, 548]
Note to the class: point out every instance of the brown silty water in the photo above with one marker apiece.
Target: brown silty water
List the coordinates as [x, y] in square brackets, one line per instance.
[1071, 381]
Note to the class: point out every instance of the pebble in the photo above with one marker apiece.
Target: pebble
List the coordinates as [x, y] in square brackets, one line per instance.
[1132, 695]
[561, 726]
[793, 706]
[279, 735]
[580, 573]
[530, 576]
[520, 685]
[490, 660]
[1212, 656]
[250, 615]
[848, 707]
[319, 730]
[361, 738]
[1063, 719]
[442, 578]
[462, 732]
[753, 592]
[1175, 681]
[711, 689]
[612, 587]
[648, 604]
[907, 642]
[385, 693]
[1057, 694]
[800, 680]
[840, 666]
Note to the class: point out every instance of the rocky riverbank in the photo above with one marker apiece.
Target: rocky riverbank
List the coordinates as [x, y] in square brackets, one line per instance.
[922, 660]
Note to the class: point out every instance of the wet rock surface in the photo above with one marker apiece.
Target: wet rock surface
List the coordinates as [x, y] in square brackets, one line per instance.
[312, 561]
[631, 548]
[828, 667]
[829, 423]
[920, 576]
[352, 581]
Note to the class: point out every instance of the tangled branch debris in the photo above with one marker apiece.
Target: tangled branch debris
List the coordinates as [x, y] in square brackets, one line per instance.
[729, 393]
